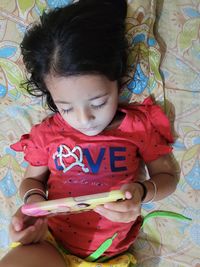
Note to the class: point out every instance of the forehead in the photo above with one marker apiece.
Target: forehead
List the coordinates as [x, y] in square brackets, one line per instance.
[84, 86]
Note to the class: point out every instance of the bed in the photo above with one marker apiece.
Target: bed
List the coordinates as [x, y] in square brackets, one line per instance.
[164, 61]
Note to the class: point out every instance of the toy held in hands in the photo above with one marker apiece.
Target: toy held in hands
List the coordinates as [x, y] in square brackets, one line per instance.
[71, 204]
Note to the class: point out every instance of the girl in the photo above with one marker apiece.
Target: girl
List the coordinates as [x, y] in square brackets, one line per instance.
[76, 57]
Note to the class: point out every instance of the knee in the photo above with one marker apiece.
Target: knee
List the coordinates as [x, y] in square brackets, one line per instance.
[5, 263]
[8, 261]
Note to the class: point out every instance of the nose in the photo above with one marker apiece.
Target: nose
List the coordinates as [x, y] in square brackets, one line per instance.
[84, 116]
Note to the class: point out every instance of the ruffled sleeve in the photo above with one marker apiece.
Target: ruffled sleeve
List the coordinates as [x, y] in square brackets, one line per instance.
[156, 136]
[32, 145]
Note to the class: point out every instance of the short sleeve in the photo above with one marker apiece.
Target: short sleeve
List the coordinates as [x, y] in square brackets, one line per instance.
[32, 145]
[157, 135]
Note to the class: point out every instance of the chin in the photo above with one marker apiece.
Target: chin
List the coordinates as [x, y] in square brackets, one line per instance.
[91, 133]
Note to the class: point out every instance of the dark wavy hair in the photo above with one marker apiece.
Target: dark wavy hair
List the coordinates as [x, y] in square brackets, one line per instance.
[86, 37]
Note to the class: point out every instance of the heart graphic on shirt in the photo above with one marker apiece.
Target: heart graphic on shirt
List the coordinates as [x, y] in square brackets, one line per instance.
[66, 158]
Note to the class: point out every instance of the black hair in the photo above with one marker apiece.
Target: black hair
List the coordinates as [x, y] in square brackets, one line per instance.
[86, 37]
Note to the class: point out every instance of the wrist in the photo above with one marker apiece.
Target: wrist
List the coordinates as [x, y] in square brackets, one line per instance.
[142, 189]
[35, 198]
[151, 191]
[34, 193]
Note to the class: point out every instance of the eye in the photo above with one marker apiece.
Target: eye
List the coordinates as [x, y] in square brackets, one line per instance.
[99, 105]
[65, 111]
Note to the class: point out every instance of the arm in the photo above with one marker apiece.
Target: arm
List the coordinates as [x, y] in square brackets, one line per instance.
[162, 172]
[35, 177]
[27, 229]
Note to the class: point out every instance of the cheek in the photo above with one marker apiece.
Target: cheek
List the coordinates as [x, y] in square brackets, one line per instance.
[109, 112]
[69, 119]
[113, 105]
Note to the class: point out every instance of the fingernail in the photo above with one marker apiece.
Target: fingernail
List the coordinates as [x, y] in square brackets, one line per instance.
[17, 227]
[128, 195]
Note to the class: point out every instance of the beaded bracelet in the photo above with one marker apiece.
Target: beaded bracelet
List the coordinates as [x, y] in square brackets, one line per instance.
[155, 192]
[34, 191]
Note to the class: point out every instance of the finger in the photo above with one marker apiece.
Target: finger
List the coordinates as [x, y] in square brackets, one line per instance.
[22, 236]
[17, 223]
[128, 195]
[43, 231]
[132, 190]
[34, 235]
[41, 227]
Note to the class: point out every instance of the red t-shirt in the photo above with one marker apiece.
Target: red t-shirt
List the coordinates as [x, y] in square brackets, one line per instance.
[81, 165]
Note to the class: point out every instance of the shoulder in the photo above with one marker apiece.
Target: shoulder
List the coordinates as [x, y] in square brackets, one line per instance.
[47, 123]
[52, 128]
[145, 111]
[148, 117]
[138, 113]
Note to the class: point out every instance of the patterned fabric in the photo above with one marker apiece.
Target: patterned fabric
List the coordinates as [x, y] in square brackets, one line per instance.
[166, 242]
[163, 242]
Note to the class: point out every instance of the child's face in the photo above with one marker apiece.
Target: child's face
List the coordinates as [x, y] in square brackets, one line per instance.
[87, 103]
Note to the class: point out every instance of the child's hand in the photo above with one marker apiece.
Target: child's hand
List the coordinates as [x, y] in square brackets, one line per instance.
[27, 229]
[124, 211]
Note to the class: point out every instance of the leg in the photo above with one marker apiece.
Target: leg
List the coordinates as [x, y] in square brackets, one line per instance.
[37, 255]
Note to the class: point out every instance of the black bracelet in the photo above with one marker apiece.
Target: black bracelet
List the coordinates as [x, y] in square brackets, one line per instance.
[144, 189]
